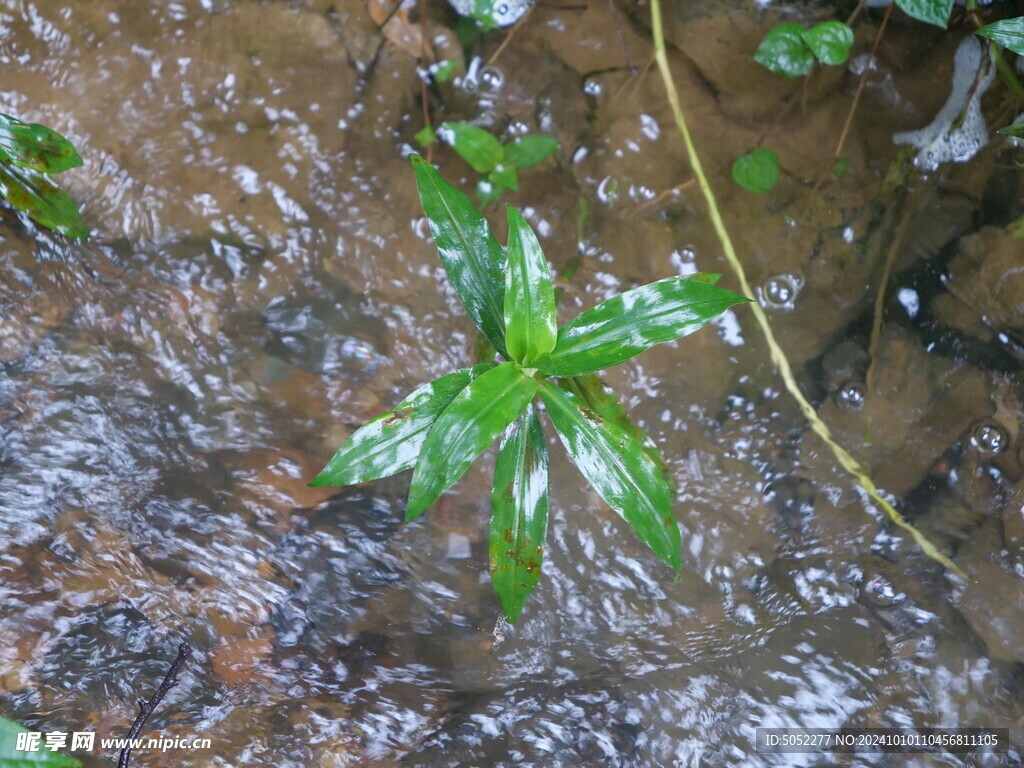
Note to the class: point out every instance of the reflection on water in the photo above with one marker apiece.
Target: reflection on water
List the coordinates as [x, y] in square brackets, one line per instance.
[259, 284]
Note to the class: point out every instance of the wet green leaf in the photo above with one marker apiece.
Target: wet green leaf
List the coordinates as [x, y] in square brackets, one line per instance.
[616, 465]
[784, 51]
[529, 296]
[442, 71]
[1009, 33]
[504, 176]
[758, 171]
[488, 192]
[425, 136]
[391, 442]
[605, 403]
[474, 260]
[480, 148]
[829, 41]
[519, 516]
[1016, 130]
[14, 758]
[931, 11]
[627, 324]
[528, 150]
[472, 421]
[42, 200]
[34, 146]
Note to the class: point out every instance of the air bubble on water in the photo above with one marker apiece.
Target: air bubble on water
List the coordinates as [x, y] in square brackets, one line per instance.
[852, 394]
[879, 591]
[593, 88]
[780, 291]
[357, 350]
[471, 80]
[608, 190]
[989, 437]
[649, 127]
[492, 79]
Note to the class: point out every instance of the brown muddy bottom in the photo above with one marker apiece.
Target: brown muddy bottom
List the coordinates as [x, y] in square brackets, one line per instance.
[259, 283]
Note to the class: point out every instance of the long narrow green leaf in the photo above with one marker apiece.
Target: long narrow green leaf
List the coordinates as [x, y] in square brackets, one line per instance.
[30, 145]
[529, 295]
[391, 442]
[472, 421]
[627, 324]
[524, 151]
[605, 403]
[45, 202]
[480, 148]
[1009, 33]
[474, 260]
[519, 516]
[10, 757]
[615, 464]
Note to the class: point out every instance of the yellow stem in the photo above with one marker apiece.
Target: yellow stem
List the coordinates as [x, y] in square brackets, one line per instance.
[781, 362]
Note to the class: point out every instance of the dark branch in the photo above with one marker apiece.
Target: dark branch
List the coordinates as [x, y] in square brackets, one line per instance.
[146, 708]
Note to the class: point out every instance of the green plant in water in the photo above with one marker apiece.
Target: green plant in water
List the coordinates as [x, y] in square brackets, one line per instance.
[758, 171]
[442, 427]
[11, 757]
[790, 49]
[498, 164]
[28, 153]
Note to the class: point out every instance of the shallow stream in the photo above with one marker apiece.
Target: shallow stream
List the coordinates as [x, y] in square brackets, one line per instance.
[260, 282]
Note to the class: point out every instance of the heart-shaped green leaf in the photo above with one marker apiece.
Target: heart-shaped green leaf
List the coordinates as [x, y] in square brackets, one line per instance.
[10, 757]
[615, 464]
[784, 51]
[529, 295]
[34, 146]
[829, 41]
[519, 516]
[758, 171]
[473, 259]
[480, 148]
[391, 443]
[627, 324]
[931, 11]
[524, 151]
[1009, 33]
[472, 421]
[32, 193]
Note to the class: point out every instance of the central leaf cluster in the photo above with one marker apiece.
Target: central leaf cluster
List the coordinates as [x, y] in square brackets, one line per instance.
[442, 427]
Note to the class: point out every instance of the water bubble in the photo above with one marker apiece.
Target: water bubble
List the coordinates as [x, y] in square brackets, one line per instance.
[879, 591]
[852, 394]
[608, 189]
[593, 88]
[989, 437]
[780, 291]
[492, 79]
[357, 349]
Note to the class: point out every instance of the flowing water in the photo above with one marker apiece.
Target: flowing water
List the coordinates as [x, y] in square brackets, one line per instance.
[260, 282]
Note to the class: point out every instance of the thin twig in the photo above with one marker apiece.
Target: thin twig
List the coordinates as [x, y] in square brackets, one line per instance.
[665, 193]
[146, 708]
[848, 462]
[508, 37]
[863, 80]
[876, 323]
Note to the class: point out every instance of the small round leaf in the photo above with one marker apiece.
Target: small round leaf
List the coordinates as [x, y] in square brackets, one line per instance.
[758, 171]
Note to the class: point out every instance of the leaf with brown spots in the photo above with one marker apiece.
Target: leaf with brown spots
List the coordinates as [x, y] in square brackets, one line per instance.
[519, 514]
[30, 145]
